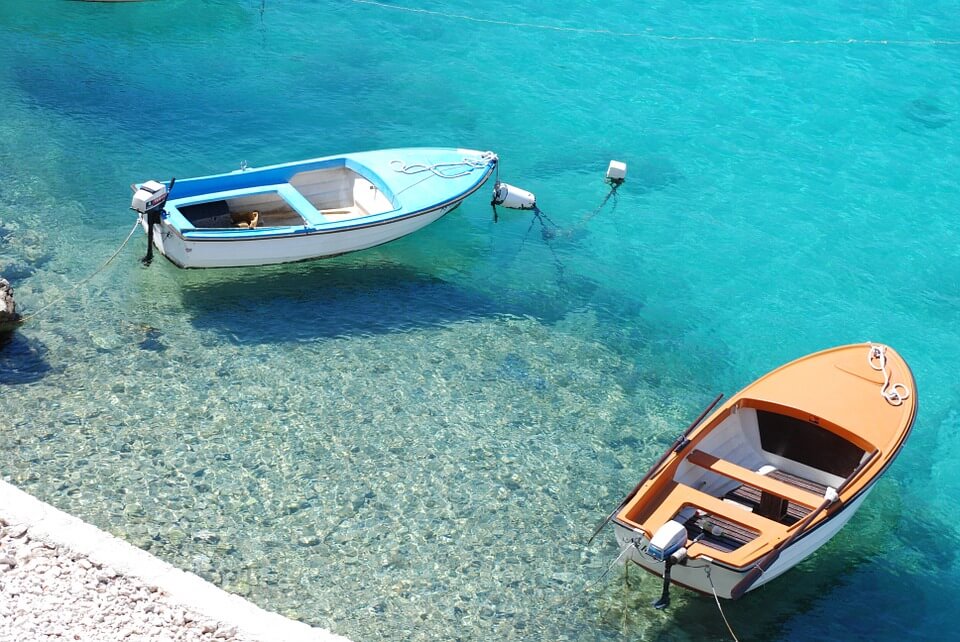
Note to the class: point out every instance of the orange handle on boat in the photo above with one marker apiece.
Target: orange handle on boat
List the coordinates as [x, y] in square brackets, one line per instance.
[674, 447]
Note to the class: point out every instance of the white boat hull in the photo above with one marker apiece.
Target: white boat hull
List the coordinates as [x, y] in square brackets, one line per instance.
[722, 579]
[307, 209]
[187, 253]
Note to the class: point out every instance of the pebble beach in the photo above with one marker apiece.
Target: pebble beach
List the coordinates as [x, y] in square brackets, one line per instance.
[49, 593]
[59, 580]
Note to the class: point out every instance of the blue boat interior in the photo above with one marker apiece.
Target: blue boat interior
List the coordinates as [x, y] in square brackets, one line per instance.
[328, 194]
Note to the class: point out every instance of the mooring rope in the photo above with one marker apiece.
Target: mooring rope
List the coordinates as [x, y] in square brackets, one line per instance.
[586, 219]
[557, 231]
[720, 608]
[81, 282]
[903, 42]
[546, 234]
[895, 394]
[590, 584]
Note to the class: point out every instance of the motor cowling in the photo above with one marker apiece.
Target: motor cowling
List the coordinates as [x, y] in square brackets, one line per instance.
[668, 539]
[149, 196]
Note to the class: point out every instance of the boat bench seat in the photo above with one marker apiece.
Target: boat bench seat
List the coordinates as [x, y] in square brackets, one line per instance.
[676, 496]
[765, 483]
[299, 202]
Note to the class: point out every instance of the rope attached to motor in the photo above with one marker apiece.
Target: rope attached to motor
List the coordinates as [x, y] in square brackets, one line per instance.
[86, 279]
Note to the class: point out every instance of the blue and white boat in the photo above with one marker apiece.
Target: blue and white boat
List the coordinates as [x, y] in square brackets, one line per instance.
[308, 209]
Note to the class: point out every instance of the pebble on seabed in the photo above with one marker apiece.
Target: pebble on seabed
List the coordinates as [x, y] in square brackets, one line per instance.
[47, 593]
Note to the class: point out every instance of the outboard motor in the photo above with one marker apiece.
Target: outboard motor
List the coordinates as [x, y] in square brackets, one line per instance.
[149, 200]
[668, 546]
[668, 539]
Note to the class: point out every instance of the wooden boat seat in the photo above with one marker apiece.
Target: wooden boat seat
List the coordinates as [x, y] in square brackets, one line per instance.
[676, 496]
[764, 483]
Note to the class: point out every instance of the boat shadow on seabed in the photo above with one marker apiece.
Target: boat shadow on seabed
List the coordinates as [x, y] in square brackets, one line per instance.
[313, 302]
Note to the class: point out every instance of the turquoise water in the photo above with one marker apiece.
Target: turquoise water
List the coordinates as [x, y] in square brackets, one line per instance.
[415, 442]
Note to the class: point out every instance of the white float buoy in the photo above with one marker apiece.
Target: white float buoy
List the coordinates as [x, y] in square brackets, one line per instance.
[513, 197]
[616, 172]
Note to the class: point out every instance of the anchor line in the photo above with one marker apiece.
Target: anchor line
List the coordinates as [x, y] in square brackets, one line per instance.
[590, 584]
[557, 231]
[539, 216]
[85, 280]
[546, 234]
[720, 608]
[611, 194]
[649, 35]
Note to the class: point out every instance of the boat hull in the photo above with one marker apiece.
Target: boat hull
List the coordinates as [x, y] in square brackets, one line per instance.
[773, 474]
[311, 209]
[287, 248]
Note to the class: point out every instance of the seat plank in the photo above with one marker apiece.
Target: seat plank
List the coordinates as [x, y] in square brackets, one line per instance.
[763, 482]
[731, 512]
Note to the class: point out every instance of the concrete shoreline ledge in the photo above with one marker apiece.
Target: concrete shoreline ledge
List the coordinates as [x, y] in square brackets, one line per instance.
[192, 608]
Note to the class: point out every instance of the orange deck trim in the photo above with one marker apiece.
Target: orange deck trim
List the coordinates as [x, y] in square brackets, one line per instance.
[733, 471]
[677, 496]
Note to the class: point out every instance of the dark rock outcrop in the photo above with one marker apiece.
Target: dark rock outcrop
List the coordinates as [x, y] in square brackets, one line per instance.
[9, 319]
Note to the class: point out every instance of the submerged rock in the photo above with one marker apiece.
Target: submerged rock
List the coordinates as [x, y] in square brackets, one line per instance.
[928, 112]
[9, 319]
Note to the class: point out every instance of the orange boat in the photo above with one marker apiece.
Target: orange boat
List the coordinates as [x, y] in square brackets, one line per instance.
[772, 474]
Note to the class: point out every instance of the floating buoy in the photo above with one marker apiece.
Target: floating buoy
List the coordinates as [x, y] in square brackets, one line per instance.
[616, 172]
[513, 197]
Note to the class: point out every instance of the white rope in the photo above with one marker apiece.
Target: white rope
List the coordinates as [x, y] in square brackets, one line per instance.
[87, 279]
[717, 599]
[437, 168]
[590, 584]
[933, 42]
[895, 394]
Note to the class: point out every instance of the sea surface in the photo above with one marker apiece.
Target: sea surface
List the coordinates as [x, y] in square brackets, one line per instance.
[415, 442]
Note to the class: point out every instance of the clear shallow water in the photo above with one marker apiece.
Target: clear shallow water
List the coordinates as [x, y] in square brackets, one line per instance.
[416, 441]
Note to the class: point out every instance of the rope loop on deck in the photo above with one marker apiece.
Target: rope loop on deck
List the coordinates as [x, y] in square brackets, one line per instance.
[896, 393]
[438, 168]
